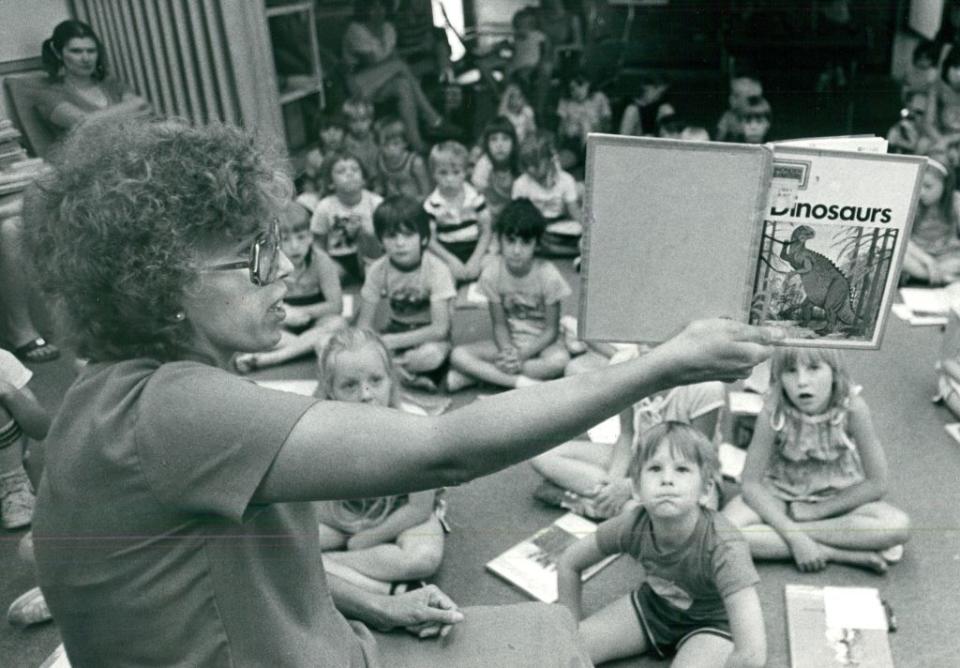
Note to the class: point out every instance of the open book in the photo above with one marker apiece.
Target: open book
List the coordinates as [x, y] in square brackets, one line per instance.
[531, 564]
[795, 235]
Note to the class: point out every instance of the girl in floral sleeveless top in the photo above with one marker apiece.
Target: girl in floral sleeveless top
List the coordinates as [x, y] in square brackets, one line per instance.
[816, 472]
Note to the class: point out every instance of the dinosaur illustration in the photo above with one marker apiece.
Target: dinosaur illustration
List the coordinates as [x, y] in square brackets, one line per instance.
[824, 284]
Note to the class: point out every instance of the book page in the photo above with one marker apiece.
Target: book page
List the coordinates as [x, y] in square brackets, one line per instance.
[670, 234]
[829, 261]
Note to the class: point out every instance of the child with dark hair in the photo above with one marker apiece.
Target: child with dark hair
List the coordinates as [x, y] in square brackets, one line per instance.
[400, 171]
[640, 116]
[553, 191]
[331, 131]
[698, 600]
[342, 222]
[524, 295]
[921, 76]
[417, 288]
[581, 112]
[498, 166]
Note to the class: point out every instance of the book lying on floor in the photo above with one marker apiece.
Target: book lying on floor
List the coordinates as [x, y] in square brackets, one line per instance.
[531, 564]
[837, 626]
[802, 237]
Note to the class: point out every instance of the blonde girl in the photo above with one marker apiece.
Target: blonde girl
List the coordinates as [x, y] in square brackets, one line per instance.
[933, 250]
[382, 543]
[816, 472]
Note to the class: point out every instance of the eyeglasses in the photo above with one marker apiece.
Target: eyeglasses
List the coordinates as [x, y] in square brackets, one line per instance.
[262, 263]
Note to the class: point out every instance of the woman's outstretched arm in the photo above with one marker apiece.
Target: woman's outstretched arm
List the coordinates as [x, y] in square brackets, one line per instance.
[340, 450]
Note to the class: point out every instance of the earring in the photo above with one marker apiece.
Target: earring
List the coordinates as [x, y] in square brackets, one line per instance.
[179, 316]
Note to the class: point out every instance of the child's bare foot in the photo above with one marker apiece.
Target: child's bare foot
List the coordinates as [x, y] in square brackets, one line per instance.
[872, 561]
[246, 362]
[456, 381]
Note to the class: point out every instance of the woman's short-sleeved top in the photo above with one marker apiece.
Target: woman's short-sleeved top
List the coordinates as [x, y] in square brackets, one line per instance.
[150, 549]
[58, 92]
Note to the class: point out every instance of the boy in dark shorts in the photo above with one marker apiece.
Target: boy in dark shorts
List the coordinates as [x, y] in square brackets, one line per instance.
[698, 600]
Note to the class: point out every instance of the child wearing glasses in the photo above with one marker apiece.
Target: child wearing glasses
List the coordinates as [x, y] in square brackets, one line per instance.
[416, 288]
[313, 302]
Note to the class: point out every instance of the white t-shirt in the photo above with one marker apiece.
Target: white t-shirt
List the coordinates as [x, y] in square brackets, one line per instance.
[551, 202]
[340, 224]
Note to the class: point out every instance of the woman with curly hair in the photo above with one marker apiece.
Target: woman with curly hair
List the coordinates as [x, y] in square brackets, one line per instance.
[79, 86]
[170, 527]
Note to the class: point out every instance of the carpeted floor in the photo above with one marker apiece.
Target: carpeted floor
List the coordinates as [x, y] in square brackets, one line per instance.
[490, 514]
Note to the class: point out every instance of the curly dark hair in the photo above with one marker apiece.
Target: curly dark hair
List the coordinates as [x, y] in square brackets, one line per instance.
[115, 228]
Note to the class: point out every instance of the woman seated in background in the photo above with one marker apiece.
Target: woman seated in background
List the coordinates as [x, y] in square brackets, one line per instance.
[79, 85]
[378, 74]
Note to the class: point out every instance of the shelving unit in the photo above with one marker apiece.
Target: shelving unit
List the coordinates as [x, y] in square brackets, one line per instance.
[296, 59]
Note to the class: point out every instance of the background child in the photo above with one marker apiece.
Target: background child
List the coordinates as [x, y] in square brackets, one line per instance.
[943, 102]
[933, 249]
[498, 166]
[591, 478]
[400, 170]
[921, 76]
[360, 140]
[551, 189]
[21, 416]
[417, 288]
[331, 130]
[580, 112]
[815, 472]
[379, 542]
[525, 295]
[745, 92]
[698, 598]
[514, 106]
[342, 223]
[640, 116]
[755, 121]
[460, 220]
[313, 302]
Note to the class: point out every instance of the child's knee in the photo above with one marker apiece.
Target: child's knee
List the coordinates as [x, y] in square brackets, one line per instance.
[424, 557]
[899, 523]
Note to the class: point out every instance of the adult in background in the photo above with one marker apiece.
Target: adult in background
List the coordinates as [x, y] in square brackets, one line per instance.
[80, 87]
[170, 526]
[378, 73]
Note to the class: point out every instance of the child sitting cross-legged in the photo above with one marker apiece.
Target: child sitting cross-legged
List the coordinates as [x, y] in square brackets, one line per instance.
[459, 215]
[698, 600]
[417, 288]
[313, 302]
[525, 295]
[815, 472]
[400, 171]
[376, 543]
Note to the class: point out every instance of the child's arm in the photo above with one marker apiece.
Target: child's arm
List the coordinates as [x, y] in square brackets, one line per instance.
[874, 485]
[25, 409]
[416, 511]
[746, 627]
[618, 488]
[367, 314]
[930, 124]
[507, 361]
[549, 334]
[457, 268]
[579, 556]
[630, 121]
[483, 243]
[437, 330]
[420, 175]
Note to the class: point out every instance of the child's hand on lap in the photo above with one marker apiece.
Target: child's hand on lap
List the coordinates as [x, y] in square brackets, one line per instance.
[508, 361]
[426, 612]
[610, 496]
[807, 554]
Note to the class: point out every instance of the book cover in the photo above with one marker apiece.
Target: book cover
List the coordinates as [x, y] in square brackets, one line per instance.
[836, 626]
[531, 564]
[673, 226]
[833, 240]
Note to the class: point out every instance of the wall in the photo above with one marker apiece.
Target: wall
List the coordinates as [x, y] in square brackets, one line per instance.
[26, 23]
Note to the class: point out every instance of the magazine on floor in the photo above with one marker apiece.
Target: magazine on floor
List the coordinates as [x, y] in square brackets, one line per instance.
[531, 564]
[799, 236]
